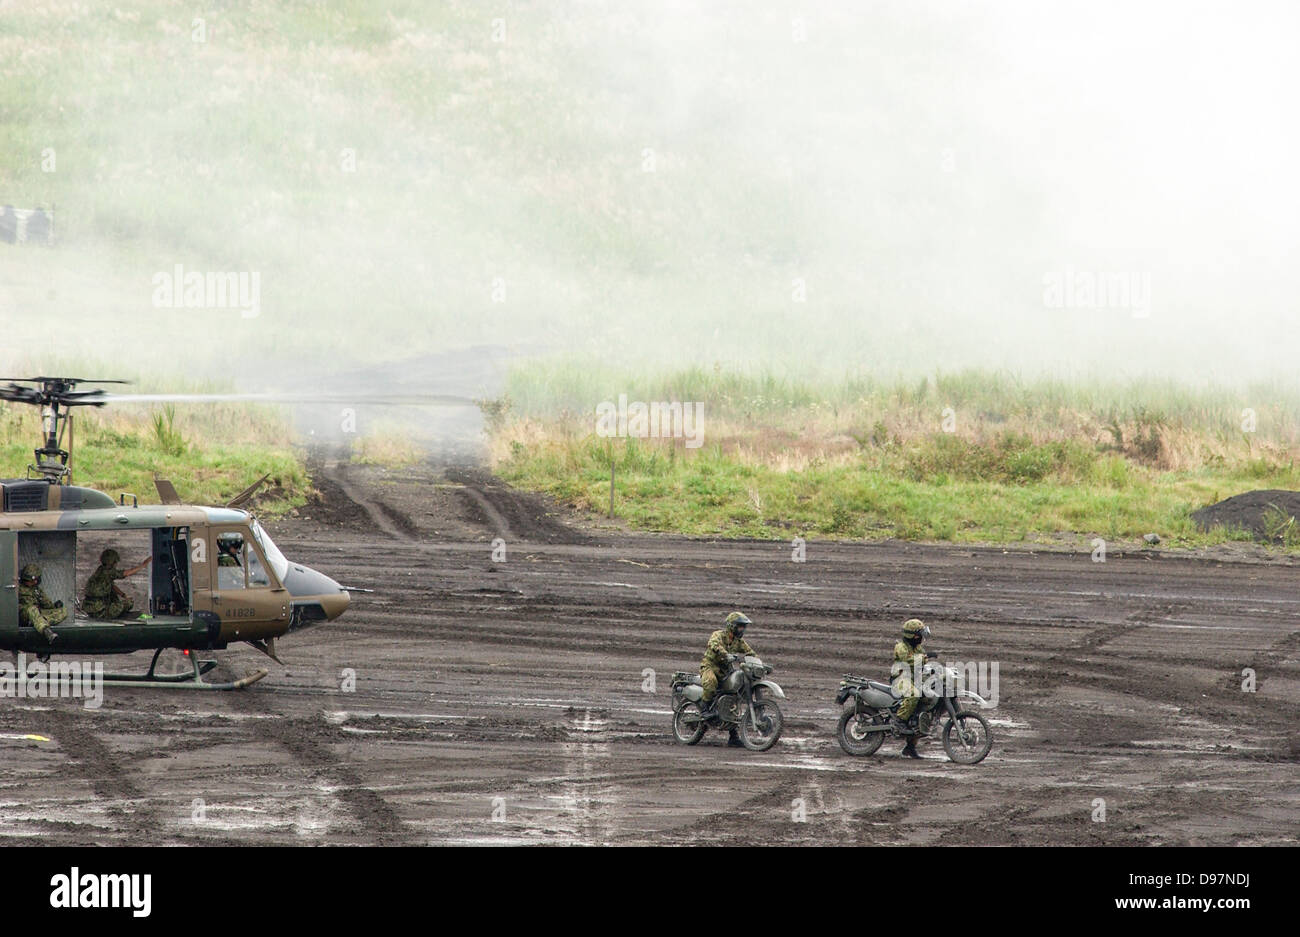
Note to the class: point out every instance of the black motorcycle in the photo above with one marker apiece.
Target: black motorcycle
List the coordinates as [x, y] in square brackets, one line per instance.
[967, 737]
[745, 702]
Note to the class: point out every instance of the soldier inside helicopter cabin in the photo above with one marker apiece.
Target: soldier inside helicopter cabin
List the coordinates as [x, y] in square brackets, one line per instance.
[103, 599]
[34, 607]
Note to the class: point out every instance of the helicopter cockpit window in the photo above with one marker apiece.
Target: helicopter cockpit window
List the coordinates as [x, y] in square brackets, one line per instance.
[256, 572]
[273, 554]
[230, 561]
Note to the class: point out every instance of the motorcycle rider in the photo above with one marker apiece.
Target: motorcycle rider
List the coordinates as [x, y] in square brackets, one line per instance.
[730, 639]
[909, 656]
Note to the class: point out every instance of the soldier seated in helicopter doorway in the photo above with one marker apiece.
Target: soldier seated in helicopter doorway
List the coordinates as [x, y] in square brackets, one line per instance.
[103, 599]
[35, 608]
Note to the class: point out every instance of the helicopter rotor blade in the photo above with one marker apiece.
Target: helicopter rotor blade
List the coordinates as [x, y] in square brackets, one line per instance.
[63, 380]
[20, 394]
[379, 399]
[56, 391]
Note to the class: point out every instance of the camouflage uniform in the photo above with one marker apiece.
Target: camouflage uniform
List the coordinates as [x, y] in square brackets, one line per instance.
[230, 574]
[34, 606]
[101, 599]
[906, 656]
[714, 663]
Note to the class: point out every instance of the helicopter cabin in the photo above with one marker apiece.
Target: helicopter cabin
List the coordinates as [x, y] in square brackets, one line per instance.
[213, 574]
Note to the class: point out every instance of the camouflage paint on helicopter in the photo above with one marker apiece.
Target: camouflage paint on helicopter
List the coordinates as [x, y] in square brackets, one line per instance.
[195, 602]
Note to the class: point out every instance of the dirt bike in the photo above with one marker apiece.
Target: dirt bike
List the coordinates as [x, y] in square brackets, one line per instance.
[967, 737]
[745, 702]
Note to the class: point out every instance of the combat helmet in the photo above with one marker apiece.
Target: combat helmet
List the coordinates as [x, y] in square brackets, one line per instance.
[915, 631]
[30, 573]
[109, 557]
[736, 622]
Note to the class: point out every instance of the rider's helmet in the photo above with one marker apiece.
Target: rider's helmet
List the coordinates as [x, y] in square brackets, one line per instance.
[915, 631]
[31, 574]
[109, 557]
[736, 623]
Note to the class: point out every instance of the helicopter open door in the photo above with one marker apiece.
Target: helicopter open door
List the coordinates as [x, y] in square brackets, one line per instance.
[170, 585]
[9, 584]
[55, 551]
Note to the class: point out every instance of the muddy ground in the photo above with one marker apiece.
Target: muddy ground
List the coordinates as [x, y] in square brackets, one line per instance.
[508, 702]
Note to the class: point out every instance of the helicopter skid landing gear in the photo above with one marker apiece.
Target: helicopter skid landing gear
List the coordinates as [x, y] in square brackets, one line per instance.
[181, 681]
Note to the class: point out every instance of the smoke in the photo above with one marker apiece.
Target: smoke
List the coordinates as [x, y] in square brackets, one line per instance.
[815, 189]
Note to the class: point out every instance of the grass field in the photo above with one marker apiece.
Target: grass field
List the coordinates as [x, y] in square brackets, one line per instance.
[972, 456]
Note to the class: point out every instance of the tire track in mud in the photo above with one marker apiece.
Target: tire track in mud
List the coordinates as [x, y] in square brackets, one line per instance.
[307, 740]
[96, 763]
[1285, 649]
[513, 514]
[762, 809]
[1095, 639]
[369, 808]
[490, 504]
[491, 517]
[384, 518]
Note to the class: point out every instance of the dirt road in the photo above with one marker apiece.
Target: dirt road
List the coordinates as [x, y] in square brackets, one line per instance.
[527, 701]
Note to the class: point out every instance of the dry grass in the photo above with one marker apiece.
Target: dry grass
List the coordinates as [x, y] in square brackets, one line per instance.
[826, 439]
[389, 449]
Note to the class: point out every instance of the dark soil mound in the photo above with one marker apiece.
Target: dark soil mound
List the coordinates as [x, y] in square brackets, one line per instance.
[1250, 510]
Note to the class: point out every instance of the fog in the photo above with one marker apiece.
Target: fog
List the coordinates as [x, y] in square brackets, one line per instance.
[818, 189]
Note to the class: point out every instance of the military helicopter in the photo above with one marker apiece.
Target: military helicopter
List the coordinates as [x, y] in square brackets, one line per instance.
[216, 577]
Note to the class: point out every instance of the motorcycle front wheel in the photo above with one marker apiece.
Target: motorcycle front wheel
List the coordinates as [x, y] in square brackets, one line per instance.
[967, 738]
[768, 716]
[688, 727]
[852, 739]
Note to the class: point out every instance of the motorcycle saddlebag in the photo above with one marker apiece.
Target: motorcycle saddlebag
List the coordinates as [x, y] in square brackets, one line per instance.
[875, 698]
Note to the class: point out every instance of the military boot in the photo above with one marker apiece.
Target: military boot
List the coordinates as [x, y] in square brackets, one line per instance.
[733, 739]
[909, 750]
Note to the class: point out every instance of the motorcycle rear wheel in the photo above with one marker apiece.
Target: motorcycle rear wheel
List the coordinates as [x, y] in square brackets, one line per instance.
[972, 741]
[854, 741]
[770, 720]
[688, 727]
